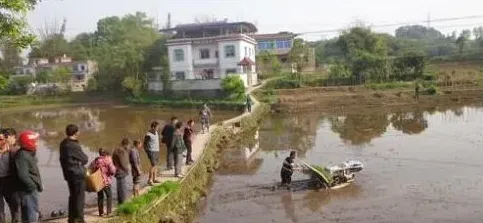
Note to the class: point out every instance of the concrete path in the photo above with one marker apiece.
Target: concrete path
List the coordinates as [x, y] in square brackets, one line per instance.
[91, 214]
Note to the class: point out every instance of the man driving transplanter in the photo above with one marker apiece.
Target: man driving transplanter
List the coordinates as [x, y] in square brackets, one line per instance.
[287, 169]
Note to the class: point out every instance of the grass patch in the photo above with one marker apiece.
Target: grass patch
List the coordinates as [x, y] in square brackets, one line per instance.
[139, 203]
[188, 103]
[389, 85]
[268, 96]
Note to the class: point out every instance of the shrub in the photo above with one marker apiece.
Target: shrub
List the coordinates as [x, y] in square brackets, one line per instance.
[234, 86]
[19, 85]
[432, 90]
[92, 85]
[132, 86]
[3, 84]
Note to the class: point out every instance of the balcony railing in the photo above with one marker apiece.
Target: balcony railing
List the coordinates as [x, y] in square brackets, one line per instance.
[206, 62]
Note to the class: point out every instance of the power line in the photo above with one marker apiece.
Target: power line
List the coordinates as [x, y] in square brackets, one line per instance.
[398, 24]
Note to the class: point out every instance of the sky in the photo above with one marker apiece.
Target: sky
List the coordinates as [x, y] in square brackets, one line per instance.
[268, 15]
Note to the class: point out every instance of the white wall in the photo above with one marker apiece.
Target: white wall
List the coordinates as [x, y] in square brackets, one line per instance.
[186, 65]
[229, 63]
[248, 46]
[186, 85]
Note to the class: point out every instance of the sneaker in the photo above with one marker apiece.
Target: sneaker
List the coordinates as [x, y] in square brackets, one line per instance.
[190, 163]
[157, 182]
[179, 175]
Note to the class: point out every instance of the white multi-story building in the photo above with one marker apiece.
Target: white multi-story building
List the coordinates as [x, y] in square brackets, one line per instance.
[201, 55]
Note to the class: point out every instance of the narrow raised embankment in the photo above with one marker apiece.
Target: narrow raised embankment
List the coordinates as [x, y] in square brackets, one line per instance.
[192, 186]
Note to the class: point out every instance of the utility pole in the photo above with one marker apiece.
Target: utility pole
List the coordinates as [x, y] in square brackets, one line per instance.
[429, 20]
[168, 23]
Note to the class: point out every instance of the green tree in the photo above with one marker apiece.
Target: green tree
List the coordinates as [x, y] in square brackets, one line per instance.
[54, 45]
[120, 50]
[133, 86]
[234, 86]
[339, 70]
[13, 24]
[478, 33]
[268, 63]
[157, 56]
[462, 40]
[61, 75]
[412, 63]
[19, 85]
[92, 85]
[3, 84]
[365, 52]
[43, 77]
[10, 58]
[81, 48]
[418, 32]
[299, 54]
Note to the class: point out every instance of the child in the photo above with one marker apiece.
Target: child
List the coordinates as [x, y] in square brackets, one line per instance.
[135, 162]
[104, 163]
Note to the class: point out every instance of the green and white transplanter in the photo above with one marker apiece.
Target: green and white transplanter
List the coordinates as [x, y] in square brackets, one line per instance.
[322, 174]
[334, 176]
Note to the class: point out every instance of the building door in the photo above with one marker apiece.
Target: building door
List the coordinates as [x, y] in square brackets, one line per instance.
[208, 74]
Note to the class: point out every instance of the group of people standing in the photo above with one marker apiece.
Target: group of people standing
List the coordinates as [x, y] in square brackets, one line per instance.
[20, 180]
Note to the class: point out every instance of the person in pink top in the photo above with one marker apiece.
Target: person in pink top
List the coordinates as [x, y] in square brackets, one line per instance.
[105, 164]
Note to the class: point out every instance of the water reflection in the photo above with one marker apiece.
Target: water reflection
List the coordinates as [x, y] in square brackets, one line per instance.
[241, 158]
[298, 131]
[359, 129]
[289, 206]
[315, 200]
[409, 123]
[294, 132]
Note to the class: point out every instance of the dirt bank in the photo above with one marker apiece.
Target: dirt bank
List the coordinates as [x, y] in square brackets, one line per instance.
[346, 98]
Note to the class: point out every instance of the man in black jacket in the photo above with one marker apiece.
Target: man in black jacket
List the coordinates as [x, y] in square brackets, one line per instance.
[168, 135]
[120, 158]
[73, 161]
[28, 176]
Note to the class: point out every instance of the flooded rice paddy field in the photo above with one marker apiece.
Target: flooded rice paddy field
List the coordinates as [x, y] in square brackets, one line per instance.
[100, 127]
[420, 166]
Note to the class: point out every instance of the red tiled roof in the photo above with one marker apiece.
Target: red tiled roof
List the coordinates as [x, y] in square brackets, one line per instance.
[246, 62]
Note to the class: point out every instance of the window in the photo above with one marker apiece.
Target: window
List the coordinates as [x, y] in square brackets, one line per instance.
[204, 53]
[82, 68]
[179, 75]
[246, 51]
[230, 51]
[178, 55]
[208, 74]
[262, 45]
[231, 71]
[216, 54]
[280, 44]
[249, 52]
[287, 44]
[270, 45]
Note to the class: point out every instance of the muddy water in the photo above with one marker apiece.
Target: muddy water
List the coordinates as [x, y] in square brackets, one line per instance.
[100, 126]
[420, 166]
